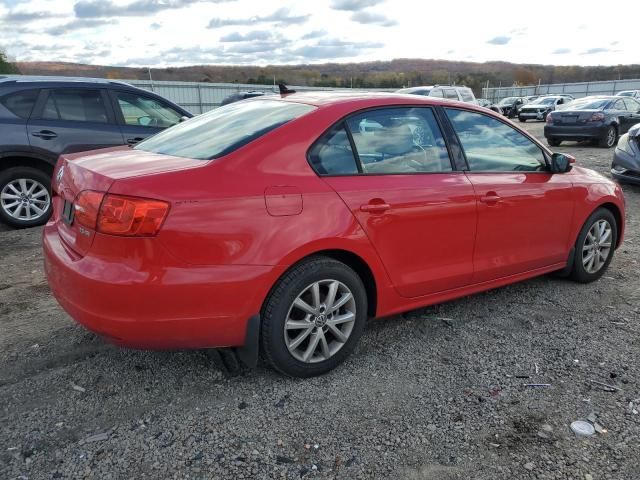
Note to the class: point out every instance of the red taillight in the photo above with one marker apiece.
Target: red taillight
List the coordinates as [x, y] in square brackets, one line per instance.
[597, 117]
[549, 118]
[86, 207]
[131, 216]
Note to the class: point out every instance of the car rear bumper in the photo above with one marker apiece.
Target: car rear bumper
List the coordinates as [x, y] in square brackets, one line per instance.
[150, 300]
[575, 132]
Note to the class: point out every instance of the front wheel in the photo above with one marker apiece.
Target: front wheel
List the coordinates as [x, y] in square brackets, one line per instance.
[25, 197]
[595, 246]
[553, 142]
[313, 318]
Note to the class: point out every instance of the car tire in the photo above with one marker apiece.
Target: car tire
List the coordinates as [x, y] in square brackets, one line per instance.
[283, 347]
[32, 184]
[523, 120]
[553, 142]
[589, 243]
[610, 137]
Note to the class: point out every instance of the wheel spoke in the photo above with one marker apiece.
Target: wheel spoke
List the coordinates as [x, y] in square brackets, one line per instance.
[331, 296]
[23, 185]
[300, 338]
[343, 300]
[315, 295]
[341, 337]
[339, 319]
[324, 345]
[11, 205]
[13, 187]
[311, 348]
[39, 211]
[40, 193]
[298, 324]
[605, 235]
[304, 306]
[10, 196]
[16, 213]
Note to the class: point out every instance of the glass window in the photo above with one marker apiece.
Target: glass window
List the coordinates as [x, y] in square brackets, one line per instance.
[332, 154]
[619, 105]
[399, 140]
[437, 93]
[451, 93]
[632, 105]
[467, 95]
[146, 112]
[75, 105]
[493, 146]
[225, 129]
[20, 103]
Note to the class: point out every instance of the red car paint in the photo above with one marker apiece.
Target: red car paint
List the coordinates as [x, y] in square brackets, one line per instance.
[237, 223]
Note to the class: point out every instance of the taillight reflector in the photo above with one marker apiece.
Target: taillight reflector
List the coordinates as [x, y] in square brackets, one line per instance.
[86, 207]
[131, 216]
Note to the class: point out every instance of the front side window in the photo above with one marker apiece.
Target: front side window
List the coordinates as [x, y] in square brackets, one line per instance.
[619, 105]
[75, 105]
[632, 105]
[224, 130]
[399, 140]
[332, 154]
[20, 103]
[493, 146]
[146, 112]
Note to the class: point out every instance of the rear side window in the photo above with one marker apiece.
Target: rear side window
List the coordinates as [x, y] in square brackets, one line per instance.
[436, 93]
[146, 112]
[332, 154]
[451, 93]
[467, 95]
[20, 103]
[75, 105]
[225, 129]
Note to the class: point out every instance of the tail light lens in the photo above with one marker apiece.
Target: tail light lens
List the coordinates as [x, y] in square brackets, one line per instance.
[131, 216]
[549, 118]
[597, 117]
[86, 207]
[119, 214]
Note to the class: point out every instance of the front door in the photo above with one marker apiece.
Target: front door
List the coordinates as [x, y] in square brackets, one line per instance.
[523, 210]
[418, 213]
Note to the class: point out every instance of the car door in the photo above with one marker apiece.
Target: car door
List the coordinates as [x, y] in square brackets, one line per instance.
[141, 116]
[397, 179]
[631, 114]
[68, 120]
[524, 212]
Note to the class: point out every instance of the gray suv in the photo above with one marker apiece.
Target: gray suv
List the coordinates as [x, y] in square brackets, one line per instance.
[43, 117]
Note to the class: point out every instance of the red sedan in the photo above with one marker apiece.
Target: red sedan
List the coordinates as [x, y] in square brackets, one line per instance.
[278, 225]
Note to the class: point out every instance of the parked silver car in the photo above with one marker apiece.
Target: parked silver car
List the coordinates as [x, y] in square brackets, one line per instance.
[462, 94]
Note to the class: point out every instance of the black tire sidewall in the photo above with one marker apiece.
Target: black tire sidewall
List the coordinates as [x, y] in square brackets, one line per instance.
[603, 142]
[14, 173]
[277, 307]
[579, 273]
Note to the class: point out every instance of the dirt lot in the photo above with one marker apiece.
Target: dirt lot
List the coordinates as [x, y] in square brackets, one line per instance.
[436, 394]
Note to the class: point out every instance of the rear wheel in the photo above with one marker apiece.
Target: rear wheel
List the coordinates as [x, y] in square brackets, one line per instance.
[595, 246]
[610, 137]
[313, 318]
[25, 197]
[522, 119]
[553, 142]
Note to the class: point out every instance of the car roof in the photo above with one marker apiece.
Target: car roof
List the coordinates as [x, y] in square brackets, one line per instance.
[35, 79]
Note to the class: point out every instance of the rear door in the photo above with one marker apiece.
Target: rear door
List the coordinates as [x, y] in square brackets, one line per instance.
[397, 179]
[524, 211]
[141, 116]
[69, 120]
[631, 114]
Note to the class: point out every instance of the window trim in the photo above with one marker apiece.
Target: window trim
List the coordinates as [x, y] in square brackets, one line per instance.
[356, 155]
[119, 116]
[36, 114]
[545, 153]
[18, 92]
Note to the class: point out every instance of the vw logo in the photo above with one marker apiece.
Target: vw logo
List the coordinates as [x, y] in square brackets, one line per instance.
[320, 320]
[60, 175]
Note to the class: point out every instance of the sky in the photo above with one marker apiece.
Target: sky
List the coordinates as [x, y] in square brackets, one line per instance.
[158, 33]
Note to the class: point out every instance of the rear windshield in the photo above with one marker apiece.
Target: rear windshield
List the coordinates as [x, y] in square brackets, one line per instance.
[589, 104]
[544, 101]
[223, 130]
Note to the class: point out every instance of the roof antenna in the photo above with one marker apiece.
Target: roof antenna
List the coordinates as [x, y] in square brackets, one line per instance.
[284, 90]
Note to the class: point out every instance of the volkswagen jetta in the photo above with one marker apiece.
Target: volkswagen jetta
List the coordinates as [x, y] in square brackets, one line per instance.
[277, 226]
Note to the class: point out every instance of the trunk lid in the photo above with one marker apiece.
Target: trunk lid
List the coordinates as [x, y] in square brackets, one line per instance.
[98, 170]
[573, 117]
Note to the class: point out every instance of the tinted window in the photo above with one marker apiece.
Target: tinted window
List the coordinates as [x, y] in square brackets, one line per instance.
[332, 154]
[437, 93]
[451, 93]
[466, 95]
[405, 140]
[619, 105]
[632, 105]
[225, 129]
[146, 112]
[589, 104]
[75, 105]
[20, 103]
[491, 145]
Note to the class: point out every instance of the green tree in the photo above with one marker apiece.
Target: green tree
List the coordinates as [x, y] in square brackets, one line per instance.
[5, 65]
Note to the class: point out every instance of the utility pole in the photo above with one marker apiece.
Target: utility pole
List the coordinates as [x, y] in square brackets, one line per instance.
[150, 78]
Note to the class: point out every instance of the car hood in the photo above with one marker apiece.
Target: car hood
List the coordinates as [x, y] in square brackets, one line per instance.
[635, 131]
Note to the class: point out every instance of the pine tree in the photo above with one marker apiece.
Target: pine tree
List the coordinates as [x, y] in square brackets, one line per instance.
[5, 65]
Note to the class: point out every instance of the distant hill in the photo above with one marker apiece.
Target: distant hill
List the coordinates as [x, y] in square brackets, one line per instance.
[392, 74]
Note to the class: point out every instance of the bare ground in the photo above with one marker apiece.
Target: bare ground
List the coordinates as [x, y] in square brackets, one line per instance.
[437, 394]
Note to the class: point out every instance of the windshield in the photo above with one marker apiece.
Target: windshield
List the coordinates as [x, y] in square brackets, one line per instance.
[415, 91]
[508, 100]
[223, 130]
[589, 104]
[544, 101]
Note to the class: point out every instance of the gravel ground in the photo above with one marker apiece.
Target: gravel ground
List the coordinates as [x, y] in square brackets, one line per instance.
[436, 394]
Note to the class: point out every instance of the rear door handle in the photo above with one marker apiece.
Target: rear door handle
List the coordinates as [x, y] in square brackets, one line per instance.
[133, 141]
[491, 198]
[45, 134]
[375, 207]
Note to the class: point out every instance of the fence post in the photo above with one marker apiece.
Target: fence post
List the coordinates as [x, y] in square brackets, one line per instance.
[200, 99]
[615, 87]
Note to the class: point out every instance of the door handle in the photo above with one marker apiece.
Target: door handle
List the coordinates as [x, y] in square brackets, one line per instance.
[45, 134]
[133, 141]
[491, 198]
[375, 207]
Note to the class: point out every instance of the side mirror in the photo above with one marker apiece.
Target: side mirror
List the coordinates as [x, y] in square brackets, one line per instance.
[561, 163]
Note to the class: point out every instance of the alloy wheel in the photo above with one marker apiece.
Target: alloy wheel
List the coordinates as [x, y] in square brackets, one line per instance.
[597, 246]
[320, 321]
[25, 199]
[611, 137]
